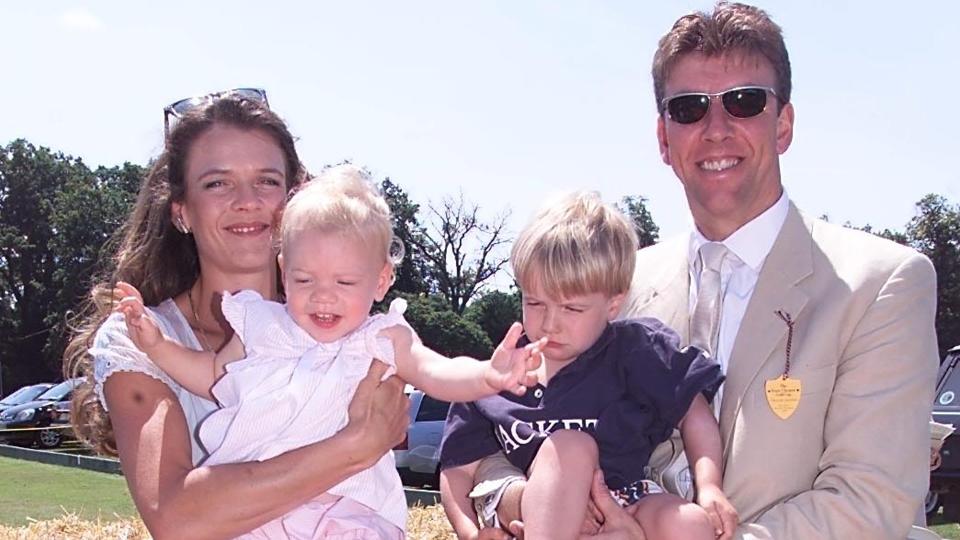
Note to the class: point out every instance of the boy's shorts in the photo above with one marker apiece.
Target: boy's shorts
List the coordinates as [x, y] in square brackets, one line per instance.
[495, 474]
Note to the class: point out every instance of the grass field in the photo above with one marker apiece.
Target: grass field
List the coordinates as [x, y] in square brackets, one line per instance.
[39, 501]
[946, 530]
[39, 491]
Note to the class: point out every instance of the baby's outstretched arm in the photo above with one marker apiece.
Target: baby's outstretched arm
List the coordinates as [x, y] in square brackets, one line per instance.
[194, 370]
[701, 441]
[462, 378]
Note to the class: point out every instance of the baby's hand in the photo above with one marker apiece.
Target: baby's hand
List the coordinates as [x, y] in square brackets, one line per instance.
[143, 330]
[722, 514]
[512, 368]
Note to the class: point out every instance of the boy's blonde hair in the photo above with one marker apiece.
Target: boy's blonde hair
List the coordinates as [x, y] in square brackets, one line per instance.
[576, 245]
[342, 199]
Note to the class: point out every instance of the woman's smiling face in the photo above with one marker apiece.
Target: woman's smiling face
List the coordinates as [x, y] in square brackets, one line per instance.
[235, 187]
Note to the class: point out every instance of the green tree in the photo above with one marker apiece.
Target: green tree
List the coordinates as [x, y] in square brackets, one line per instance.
[55, 215]
[443, 330]
[412, 276]
[495, 311]
[635, 208]
[889, 234]
[935, 232]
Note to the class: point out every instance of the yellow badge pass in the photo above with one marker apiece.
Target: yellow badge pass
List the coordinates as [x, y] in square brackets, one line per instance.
[783, 395]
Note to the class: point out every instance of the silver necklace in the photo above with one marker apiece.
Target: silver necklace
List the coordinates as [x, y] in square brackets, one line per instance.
[205, 341]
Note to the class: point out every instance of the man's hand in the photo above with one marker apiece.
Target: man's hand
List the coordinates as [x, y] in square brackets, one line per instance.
[143, 330]
[617, 523]
[593, 520]
[722, 514]
[512, 368]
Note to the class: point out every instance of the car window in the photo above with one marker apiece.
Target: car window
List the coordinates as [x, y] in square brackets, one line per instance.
[432, 409]
[18, 396]
[948, 393]
[58, 392]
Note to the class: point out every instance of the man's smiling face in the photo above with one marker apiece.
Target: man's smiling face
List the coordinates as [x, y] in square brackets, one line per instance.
[729, 166]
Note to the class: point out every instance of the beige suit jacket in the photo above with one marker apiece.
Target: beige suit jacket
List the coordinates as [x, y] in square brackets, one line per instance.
[852, 460]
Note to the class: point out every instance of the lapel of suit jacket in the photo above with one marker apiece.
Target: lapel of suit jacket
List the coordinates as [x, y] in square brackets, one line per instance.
[667, 297]
[790, 261]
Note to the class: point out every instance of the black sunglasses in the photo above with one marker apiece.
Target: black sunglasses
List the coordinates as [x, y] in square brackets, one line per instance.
[178, 109]
[740, 102]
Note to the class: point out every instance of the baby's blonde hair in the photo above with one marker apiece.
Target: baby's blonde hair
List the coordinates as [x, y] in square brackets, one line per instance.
[576, 245]
[342, 199]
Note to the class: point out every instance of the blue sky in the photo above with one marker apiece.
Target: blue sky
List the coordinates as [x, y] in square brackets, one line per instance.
[508, 101]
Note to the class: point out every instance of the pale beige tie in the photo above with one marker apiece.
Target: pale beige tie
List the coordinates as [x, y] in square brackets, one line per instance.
[705, 319]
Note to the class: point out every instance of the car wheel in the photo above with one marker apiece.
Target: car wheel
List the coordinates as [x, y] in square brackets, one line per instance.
[49, 438]
[931, 503]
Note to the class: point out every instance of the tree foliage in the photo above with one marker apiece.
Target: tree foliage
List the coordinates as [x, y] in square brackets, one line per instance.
[495, 311]
[635, 208]
[411, 274]
[443, 330]
[55, 217]
[935, 232]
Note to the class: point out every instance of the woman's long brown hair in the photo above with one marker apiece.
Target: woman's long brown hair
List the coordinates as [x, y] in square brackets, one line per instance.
[152, 255]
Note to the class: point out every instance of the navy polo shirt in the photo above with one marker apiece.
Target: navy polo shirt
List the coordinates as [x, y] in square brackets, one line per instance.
[629, 390]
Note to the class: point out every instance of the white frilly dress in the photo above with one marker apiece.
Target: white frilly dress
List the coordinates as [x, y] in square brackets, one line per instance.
[290, 391]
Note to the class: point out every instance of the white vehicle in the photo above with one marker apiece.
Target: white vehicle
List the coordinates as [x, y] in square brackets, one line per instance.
[418, 456]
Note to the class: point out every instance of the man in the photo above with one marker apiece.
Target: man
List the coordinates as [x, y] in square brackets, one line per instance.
[825, 334]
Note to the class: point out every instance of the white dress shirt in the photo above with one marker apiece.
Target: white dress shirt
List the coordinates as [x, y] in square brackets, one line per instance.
[748, 246]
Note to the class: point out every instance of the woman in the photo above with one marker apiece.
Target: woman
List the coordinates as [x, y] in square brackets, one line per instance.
[203, 222]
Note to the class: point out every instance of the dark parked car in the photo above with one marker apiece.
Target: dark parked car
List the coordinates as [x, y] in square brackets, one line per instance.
[51, 409]
[945, 478]
[23, 395]
[418, 456]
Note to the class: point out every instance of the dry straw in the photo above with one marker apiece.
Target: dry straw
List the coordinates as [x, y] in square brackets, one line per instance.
[423, 523]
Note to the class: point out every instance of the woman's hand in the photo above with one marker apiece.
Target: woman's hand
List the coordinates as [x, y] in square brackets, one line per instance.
[379, 412]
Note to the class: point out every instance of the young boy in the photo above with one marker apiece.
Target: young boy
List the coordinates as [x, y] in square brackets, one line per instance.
[607, 393]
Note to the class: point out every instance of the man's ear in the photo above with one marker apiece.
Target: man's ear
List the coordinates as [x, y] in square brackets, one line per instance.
[384, 281]
[662, 139]
[280, 264]
[785, 128]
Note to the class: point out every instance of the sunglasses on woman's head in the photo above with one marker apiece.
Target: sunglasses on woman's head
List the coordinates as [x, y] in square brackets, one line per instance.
[178, 109]
[740, 102]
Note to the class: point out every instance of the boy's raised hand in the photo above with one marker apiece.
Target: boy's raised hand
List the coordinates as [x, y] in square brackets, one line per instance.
[512, 368]
[143, 330]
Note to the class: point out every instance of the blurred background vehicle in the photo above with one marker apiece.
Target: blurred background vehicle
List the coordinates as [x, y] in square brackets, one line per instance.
[418, 456]
[945, 467]
[23, 395]
[51, 409]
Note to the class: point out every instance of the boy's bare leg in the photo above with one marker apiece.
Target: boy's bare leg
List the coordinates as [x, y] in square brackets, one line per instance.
[555, 498]
[667, 517]
[509, 510]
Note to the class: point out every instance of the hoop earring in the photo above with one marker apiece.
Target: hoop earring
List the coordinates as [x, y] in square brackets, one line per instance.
[179, 225]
